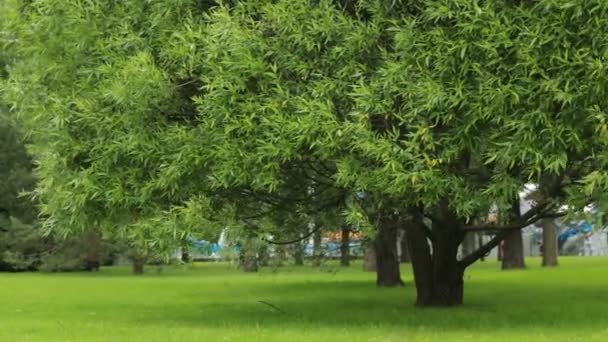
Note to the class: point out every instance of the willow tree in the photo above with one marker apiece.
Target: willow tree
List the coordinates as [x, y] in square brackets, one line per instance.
[433, 108]
[104, 91]
[149, 116]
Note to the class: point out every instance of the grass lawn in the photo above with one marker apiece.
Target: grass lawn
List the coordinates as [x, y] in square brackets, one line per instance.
[212, 302]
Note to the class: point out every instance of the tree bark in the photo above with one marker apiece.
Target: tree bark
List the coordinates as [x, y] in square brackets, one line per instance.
[469, 243]
[262, 258]
[447, 275]
[298, 254]
[405, 253]
[138, 265]
[345, 247]
[185, 252]
[317, 253]
[92, 241]
[422, 262]
[250, 263]
[369, 257]
[438, 276]
[513, 250]
[387, 260]
[550, 248]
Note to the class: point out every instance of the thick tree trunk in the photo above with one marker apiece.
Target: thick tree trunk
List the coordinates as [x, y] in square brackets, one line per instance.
[345, 247]
[422, 262]
[369, 257]
[447, 275]
[438, 278]
[513, 251]
[550, 249]
[387, 260]
[138, 265]
[405, 253]
[317, 253]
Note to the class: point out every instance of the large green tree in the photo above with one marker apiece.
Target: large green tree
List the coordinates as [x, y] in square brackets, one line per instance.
[149, 117]
[435, 109]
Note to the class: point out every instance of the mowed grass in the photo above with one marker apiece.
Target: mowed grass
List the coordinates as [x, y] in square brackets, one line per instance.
[214, 302]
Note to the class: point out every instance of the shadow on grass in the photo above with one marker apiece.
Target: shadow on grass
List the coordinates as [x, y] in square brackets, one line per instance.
[489, 306]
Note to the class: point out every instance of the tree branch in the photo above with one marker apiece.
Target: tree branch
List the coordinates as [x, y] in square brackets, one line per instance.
[483, 250]
[526, 219]
[294, 240]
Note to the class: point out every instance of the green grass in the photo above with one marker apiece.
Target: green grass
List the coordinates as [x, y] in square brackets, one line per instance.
[212, 302]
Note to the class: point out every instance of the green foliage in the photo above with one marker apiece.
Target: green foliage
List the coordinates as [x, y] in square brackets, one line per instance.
[105, 98]
[16, 174]
[21, 245]
[153, 120]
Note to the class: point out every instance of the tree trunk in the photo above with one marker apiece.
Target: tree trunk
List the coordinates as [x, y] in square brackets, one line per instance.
[405, 253]
[345, 247]
[513, 251]
[438, 277]
[447, 275]
[369, 257]
[185, 252]
[138, 265]
[469, 243]
[92, 240]
[250, 263]
[263, 257]
[499, 251]
[387, 260]
[550, 250]
[298, 254]
[317, 253]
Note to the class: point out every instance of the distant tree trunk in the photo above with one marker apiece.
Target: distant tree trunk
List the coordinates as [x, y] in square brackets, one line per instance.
[499, 251]
[138, 265]
[469, 243]
[369, 257]
[550, 249]
[250, 263]
[298, 254]
[248, 256]
[92, 241]
[480, 243]
[405, 253]
[387, 260]
[345, 247]
[513, 251]
[317, 253]
[263, 257]
[513, 257]
[280, 255]
[185, 252]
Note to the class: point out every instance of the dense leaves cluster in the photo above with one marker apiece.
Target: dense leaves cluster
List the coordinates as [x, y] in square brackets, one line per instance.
[153, 119]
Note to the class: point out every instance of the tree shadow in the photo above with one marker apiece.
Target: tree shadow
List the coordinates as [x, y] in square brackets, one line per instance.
[489, 306]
